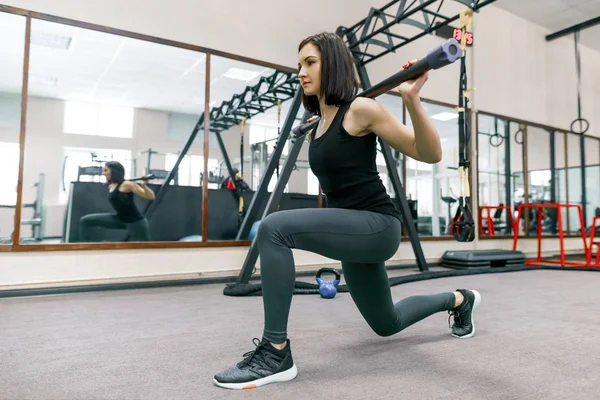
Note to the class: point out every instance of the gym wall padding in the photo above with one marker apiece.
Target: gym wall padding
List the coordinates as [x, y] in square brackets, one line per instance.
[179, 215]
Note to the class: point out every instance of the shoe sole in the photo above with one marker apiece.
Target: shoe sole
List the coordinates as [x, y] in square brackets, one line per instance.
[284, 376]
[476, 304]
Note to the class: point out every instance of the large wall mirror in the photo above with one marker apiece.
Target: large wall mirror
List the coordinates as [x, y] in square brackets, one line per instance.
[435, 187]
[500, 180]
[12, 49]
[103, 111]
[249, 106]
[394, 104]
[526, 163]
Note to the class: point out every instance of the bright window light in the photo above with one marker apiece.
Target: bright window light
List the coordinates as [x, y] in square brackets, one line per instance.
[83, 118]
[9, 172]
[445, 116]
[43, 80]
[241, 74]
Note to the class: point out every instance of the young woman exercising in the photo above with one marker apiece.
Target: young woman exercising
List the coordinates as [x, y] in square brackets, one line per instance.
[121, 196]
[360, 227]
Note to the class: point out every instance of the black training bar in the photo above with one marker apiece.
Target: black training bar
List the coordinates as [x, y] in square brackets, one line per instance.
[443, 55]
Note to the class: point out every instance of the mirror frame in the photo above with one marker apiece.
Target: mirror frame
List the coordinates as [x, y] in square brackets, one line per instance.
[16, 246]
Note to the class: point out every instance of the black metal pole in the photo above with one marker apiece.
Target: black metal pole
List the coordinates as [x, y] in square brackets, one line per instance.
[160, 193]
[259, 195]
[508, 174]
[583, 180]
[225, 157]
[573, 29]
[242, 148]
[272, 204]
[553, 217]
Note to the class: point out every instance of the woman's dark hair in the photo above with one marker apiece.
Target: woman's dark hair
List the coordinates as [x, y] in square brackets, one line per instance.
[339, 82]
[117, 172]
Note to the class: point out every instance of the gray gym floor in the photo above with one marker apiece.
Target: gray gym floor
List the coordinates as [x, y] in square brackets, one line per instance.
[537, 338]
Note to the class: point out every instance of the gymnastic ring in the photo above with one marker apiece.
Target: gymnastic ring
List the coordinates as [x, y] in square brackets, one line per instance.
[582, 122]
[498, 141]
[517, 141]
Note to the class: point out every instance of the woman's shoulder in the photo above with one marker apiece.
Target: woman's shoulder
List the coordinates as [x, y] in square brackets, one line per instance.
[125, 186]
[361, 113]
[363, 106]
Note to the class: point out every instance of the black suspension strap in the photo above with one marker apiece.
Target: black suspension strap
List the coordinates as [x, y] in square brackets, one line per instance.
[237, 181]
[583, 123]
[243, 128]
[463, 226]
[278, 131]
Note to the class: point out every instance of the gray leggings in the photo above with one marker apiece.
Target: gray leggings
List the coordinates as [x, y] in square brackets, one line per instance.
[362, 241]
[139, 231]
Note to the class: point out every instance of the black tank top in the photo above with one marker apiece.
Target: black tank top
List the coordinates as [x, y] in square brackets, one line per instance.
[347, 170]
[124, 205]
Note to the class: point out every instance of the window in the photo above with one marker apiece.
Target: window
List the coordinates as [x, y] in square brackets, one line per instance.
[260, 133]
[427, 184]
[82, 118]
[75, 157]
[268, 135]
[312, 183]
[9, 172]
[190, 169]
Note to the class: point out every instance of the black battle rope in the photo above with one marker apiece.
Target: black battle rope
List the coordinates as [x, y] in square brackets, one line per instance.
[584, 125]
[463, 226]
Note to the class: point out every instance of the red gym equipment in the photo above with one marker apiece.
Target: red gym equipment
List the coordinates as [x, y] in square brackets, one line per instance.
[587, 245]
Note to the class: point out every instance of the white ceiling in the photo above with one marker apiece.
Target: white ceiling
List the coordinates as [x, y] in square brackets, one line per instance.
[102, 67]
[556, 15]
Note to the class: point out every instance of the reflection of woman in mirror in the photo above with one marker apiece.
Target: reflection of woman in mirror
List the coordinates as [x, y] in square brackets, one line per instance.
[121, 196]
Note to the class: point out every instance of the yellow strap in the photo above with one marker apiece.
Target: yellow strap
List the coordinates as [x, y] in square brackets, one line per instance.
[467, 186]
[466, 18]
[460, 180]
[243, 124]
[278, 110]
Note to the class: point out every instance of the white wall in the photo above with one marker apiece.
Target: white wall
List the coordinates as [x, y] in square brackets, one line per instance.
[528, 79]
[519, 74]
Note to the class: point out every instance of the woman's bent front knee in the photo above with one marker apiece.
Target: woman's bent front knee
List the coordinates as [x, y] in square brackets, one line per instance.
[385, 330]
[270, 228]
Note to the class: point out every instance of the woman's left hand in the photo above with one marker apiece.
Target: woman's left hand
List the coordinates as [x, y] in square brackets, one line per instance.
[412, 87]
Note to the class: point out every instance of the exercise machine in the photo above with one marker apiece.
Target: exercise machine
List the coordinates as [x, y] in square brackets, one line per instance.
[37, 219]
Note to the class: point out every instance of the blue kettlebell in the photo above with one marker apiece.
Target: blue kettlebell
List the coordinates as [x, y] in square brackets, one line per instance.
[328, 289]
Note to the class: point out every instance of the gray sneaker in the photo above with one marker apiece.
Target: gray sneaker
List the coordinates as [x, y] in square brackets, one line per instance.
[263, 365]
[464, 321]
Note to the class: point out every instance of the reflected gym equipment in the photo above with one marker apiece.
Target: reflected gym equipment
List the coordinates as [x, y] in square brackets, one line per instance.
[37, 219]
